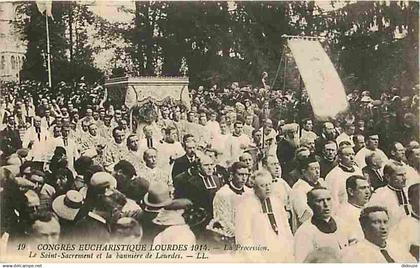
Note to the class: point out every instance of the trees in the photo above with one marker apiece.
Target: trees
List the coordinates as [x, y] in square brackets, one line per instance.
[377, 42]
[373, 43]
[69, 60]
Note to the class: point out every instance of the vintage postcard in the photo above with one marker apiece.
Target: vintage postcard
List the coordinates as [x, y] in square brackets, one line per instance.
[209, 132]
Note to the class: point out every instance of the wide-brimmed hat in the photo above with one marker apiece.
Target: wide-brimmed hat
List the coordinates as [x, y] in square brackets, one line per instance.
[157, 197]
[67, 206]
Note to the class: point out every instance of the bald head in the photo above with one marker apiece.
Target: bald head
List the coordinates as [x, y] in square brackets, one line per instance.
[262, 184]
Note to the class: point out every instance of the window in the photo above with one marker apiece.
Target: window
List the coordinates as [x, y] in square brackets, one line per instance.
[13, 62]
[2, 63]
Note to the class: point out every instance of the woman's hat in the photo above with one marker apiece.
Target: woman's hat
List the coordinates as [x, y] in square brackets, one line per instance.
[67, 206]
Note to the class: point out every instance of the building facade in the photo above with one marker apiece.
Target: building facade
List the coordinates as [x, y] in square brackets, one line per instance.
[12, 48]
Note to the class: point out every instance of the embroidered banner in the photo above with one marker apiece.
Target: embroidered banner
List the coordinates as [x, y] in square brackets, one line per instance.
[140, 90]
[325, 89]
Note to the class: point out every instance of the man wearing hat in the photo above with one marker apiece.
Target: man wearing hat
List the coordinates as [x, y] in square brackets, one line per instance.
[104, 205]
[176, 231]
[66, 207]
[156, 198]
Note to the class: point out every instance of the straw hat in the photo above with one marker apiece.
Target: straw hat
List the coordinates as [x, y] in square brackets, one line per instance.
[157, 197]
[67, 206]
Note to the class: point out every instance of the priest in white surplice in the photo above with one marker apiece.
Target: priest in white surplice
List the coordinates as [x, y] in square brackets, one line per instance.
[262, 221]
[226, 200]
[376, 247]
[358, 193]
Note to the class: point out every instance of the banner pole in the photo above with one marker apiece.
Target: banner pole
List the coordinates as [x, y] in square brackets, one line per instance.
[48, 52]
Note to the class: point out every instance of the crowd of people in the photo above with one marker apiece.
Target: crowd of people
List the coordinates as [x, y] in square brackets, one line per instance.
[242, 166]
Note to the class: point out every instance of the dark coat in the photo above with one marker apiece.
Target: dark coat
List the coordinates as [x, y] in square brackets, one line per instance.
[192, 187]
[326, 166]
[285, 155]
[91, 230]
[375, 179]
[181, 164]
[9, 141]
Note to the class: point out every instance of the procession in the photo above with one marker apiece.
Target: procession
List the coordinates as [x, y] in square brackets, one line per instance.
[322, 173]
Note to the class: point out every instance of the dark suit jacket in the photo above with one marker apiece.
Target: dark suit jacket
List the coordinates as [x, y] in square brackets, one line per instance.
[181, 164]
[91, 230]
[192, 187]
[326, 166]
[375, 179]
[285, 155]
[9, 141]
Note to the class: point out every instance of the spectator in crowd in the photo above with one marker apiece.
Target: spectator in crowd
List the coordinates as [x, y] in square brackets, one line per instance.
[328, 159]
[373, 171]
[10, 140]
[126, 231]
[307, 129]
[45, 230]
[184, 162]
[82, 120]
[359, 142]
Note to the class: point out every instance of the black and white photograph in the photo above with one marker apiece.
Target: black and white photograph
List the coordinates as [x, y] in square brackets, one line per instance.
[209, 132]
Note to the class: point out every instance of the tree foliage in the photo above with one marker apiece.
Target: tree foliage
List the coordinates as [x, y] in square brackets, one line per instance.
[374, 45]
[69, 60]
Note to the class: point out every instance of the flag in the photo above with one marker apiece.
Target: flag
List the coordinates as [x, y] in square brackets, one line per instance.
[44, 6]
[325, 89]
